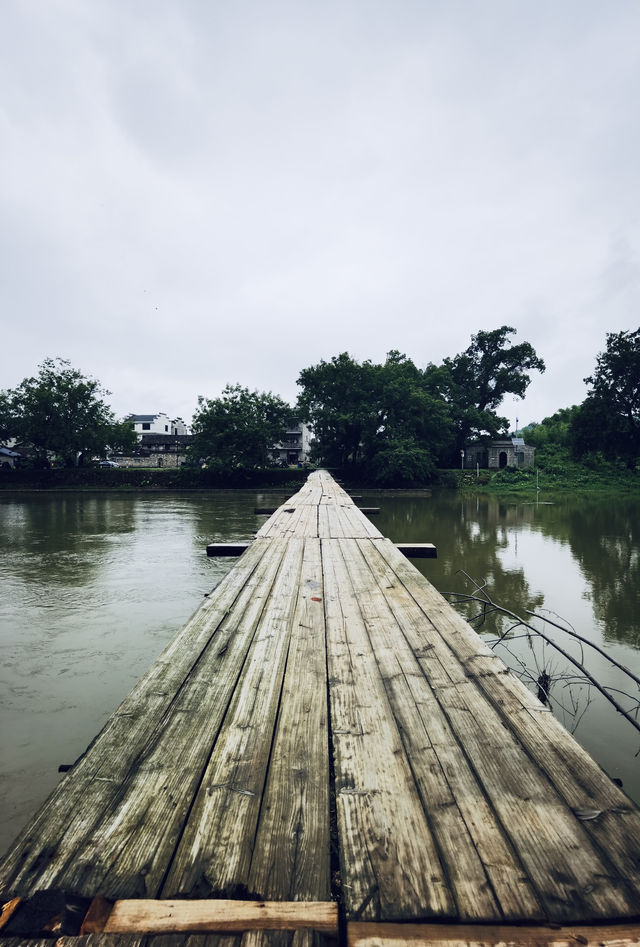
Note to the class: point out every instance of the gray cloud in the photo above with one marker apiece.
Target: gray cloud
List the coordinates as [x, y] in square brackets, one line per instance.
[195, 193]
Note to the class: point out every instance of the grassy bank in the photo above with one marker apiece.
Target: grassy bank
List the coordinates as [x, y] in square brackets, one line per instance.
[556, 472]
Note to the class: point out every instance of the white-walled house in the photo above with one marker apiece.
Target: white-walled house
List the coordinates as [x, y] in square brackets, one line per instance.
[157, 424]
[295, 446]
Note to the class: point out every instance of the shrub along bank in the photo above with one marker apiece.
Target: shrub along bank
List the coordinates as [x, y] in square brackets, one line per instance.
[558, 472]
[135, 478]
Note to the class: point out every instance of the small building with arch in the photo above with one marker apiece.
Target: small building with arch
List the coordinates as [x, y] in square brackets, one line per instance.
[498, 454]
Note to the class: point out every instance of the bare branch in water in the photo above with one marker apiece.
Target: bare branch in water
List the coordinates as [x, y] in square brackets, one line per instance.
[543, 681]
[574, 634]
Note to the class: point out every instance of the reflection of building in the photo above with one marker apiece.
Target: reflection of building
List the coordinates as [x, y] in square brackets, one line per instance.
[295, 445]
[494, 455]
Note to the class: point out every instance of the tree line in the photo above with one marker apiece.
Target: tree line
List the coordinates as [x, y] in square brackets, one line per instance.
[394, 420]
[606, 425]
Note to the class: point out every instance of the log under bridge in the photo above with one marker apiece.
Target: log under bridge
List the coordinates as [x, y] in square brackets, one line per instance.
[327, 751]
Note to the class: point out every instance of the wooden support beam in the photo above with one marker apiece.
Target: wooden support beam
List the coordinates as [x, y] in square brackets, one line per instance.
[363, 934]
[144, 916]
[369, 509]
[265, 510]
[226, 549]
[97, 916]
[418, 550]
[8, 910]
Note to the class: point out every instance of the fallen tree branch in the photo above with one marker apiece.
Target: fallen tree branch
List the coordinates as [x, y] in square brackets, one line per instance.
[485, 600]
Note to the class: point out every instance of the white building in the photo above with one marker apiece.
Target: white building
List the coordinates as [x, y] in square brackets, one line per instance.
[295, 446]
[157, 424]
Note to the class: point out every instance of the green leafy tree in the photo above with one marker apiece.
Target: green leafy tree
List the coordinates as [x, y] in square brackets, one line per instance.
[6, 420]
[608, 420]
[337, 398]
[555, 429]
[412, 424]
[379, 417]
[474, 384]
[60, 412]
[239, 429]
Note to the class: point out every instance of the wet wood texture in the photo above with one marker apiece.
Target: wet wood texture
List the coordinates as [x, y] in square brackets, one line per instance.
[326, 727]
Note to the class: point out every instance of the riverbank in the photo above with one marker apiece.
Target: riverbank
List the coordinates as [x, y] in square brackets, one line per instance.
[149, 479]
[556, 472]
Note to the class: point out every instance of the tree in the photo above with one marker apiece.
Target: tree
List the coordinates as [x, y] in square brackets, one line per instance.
[337, 398]
[474, 383]
[608, 420]
[61, 412]
[412, 424]
[378, 417]
[554, 430]
[239, 429]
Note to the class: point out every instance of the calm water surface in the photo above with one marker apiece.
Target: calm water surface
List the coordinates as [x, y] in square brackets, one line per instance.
[94, 586]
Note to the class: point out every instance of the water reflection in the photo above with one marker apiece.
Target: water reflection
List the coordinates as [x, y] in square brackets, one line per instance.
[606, 543]
[471, 535]
[576, 562]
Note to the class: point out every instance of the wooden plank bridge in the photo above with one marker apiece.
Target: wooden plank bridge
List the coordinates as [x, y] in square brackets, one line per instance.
[327, 750]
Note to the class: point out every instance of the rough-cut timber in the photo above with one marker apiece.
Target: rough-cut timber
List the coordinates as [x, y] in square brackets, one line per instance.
[326, 727]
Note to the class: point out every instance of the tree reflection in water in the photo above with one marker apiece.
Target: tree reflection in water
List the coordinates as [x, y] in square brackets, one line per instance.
[576, 562]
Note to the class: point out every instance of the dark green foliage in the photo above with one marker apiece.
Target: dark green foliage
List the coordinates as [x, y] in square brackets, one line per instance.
[239, 429]
[60, 412]
[552, 430]
[395, 422]
[380, 419]
[608, 420]
[137, 478]
[474, 383]
[337, 398]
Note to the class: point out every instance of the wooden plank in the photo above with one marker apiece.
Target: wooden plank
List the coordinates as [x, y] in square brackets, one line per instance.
[390, 866]
[118, 841]
[227, 549]
[487, 878]
[291, 854]
[355, 524]
[362, 934]
[574, 879]
[577, 778]
[324, 527]
[336, 521]
[283, 522]
[146, 916]
[303, 937]
[417, 550]
[97, 916]
[131, 848]
[9, 908]
[51, 842]
[213, 854]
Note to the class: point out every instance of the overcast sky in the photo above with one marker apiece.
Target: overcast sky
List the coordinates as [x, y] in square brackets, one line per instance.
[195, 193]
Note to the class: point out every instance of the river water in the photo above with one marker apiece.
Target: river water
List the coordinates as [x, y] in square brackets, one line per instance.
[94, 585]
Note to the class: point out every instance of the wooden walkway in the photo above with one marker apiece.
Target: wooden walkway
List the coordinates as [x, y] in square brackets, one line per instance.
[326, 730]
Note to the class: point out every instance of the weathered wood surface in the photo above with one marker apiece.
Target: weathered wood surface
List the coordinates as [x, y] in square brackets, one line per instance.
[470, 935]
[167, 916]
[326, 726]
